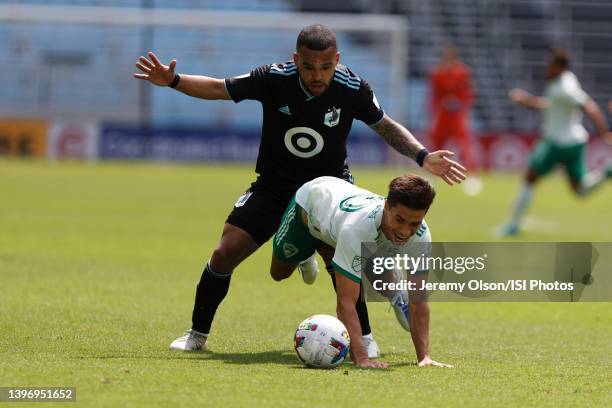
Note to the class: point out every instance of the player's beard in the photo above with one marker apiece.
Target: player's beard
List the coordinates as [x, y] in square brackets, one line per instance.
[317, 88]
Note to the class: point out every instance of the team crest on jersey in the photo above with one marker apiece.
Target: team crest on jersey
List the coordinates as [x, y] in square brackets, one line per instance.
[357, 202]
[332, 118]
[289, 250]
[285, 110]
[356, 264]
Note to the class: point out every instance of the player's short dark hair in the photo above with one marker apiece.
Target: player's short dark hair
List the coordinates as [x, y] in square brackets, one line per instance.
[560, 57]
[411, 191]
[316, 37]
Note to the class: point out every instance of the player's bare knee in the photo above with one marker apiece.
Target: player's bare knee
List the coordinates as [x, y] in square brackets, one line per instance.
[222, 259]
[531, 177]
[276, 276]
[579, 188]
[279, 274]
[326, 252]
[280, 270]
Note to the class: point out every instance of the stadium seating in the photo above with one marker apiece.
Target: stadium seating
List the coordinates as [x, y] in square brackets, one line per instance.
[505, 43]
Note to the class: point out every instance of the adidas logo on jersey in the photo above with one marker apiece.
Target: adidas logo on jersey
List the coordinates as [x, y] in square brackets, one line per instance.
[285, 110]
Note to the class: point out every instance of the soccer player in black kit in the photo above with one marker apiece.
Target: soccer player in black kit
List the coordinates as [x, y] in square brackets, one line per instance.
[308, 107]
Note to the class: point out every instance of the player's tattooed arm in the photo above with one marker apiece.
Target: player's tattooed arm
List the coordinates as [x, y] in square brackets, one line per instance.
[398, 137]
[438, 162]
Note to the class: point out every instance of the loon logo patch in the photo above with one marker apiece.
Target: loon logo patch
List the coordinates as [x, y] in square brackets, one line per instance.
[285, 110]
[332, 118]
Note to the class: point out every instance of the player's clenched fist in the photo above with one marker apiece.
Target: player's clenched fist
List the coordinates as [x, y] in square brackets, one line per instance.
[154, 71]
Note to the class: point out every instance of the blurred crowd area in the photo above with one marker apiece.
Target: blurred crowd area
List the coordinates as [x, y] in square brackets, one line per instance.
[65, 72]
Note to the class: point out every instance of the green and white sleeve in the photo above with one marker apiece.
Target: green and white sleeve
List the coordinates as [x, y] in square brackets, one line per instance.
[347, 257]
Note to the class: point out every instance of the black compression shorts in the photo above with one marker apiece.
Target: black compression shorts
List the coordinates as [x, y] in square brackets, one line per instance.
[260, 209]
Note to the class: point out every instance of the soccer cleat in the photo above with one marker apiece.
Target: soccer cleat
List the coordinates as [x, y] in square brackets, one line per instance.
[508, 230]
[191, 341]
[402, 312]
[309, 269]
[371, 346]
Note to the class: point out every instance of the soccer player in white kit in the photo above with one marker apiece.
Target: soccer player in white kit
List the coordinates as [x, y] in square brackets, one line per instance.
[563, 136]
[335, 217]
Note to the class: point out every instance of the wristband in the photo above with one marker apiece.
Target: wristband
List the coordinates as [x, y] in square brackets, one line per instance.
[420, 157]
[175, 81]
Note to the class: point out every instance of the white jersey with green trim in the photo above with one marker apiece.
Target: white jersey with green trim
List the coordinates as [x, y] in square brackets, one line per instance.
[345, 216]
[563, 118]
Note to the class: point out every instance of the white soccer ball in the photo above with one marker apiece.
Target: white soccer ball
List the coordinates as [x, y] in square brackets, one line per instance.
[321, 341]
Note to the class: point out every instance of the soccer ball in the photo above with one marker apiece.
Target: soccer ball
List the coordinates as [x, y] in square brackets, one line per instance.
[321, 341]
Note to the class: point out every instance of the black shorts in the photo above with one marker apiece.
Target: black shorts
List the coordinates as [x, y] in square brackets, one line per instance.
[260, 209]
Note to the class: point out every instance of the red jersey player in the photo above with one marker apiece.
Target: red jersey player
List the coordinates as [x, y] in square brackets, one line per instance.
[451, 98]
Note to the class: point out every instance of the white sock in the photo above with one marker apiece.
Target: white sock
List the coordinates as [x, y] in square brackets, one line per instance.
[522, 202]
[590, 183]
[311, 258]
[368, 336]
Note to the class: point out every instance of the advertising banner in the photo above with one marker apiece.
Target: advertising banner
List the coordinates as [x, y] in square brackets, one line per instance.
[23, 137]
[210, 144]
[73, 140]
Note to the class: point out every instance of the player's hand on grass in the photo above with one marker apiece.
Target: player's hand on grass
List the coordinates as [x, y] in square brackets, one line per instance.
[367, 363]
[428, 362]
[438, 163]
[154, 71]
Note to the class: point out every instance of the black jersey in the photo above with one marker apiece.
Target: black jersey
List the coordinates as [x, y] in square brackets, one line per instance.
[304, 136]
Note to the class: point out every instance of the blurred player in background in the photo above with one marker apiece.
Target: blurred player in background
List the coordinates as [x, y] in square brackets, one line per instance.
[331, 212]
[309, 105]
[451, 98]
[563, 136]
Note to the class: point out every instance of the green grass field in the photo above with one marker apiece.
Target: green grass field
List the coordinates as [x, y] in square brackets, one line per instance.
[98, 267]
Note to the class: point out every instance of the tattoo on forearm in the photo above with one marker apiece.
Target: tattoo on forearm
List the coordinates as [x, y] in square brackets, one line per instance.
[398, 137]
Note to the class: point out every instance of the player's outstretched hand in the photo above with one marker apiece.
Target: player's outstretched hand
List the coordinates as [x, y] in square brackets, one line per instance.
[367, 363]
[517, 95]
[428, 362]
[154, 71]
[438, 163]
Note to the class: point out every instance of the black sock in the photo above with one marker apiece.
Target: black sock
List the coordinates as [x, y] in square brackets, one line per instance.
[362, 308]
[332, 274]
[210, 293]
[362, 312]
